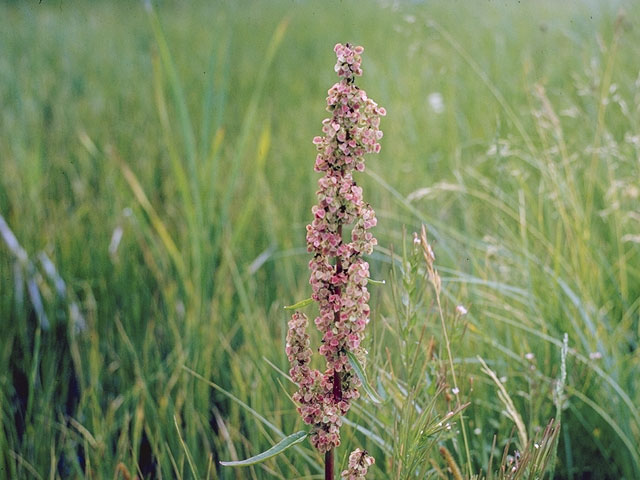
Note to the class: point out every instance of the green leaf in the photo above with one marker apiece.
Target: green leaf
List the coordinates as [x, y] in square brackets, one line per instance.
[279, 447]
[355, 364]
[377, 282]
[300, 304]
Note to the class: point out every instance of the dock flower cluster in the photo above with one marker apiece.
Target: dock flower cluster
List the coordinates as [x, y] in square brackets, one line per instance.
[337, 237]
[359, 463]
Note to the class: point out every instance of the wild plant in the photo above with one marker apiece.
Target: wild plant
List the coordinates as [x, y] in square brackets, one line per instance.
[339, 273]
[431, 394]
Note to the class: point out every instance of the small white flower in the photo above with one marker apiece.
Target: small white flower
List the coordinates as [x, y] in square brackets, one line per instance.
[461, 310]
[436, 102]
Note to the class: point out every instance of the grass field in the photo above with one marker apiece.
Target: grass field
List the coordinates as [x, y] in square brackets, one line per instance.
[156, 177]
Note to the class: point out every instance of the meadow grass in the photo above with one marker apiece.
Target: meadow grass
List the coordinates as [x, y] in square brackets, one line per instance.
[164, 165]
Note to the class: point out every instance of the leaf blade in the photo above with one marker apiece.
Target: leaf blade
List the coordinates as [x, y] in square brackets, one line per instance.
[355, 364]
[300, 304]
[278, 448]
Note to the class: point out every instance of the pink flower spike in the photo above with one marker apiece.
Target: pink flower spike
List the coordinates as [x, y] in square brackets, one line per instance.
[337, 237]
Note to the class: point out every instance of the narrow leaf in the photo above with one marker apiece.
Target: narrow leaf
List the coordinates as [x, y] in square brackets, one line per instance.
[194, 471]
[355, 364]
[262, 420]
[377, 282]
[300, 304]
[279, 447]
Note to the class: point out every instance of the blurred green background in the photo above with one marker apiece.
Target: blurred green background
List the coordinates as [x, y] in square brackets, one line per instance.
[159, 163]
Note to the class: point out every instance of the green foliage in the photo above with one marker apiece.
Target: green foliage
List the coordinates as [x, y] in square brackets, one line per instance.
[161, 163]
[301, 304]
[368, 389]
[277, 449]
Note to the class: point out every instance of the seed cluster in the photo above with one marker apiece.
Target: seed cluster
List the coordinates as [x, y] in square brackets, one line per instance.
[339, 274]
[359, 463]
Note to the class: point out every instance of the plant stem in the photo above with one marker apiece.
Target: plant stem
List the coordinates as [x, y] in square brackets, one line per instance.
[328, 458]
[337, 383]
[455, 383]
[328, 465]
[337, 387]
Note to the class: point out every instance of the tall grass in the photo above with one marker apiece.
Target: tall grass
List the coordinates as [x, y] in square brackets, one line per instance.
[161, 161]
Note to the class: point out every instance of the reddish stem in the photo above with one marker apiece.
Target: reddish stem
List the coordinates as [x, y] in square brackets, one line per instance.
[337, 383]
[337, 387]
[328, 465]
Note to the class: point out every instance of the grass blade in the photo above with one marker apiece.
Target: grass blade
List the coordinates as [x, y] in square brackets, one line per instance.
[156, 221]
[512, 413]
[192, 465]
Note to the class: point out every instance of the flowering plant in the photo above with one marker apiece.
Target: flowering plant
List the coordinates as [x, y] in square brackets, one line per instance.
[339, 274]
